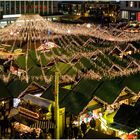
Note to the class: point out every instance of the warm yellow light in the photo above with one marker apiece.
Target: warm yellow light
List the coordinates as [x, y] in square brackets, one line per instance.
[69, 31]
[2, 102]
[88, 25]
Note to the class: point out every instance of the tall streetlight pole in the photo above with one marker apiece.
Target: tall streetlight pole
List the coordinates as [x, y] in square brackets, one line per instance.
[57, 104]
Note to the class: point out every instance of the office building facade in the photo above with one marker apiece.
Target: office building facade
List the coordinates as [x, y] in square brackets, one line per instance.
[130, 10]
[34, 7]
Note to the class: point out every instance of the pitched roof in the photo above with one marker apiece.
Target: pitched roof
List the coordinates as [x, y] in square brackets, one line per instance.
[16, 86]
[132, 82]
[106, 90]
[129, 117]
[49, 94]
[109, 91]
[33, 88]
[121, 127]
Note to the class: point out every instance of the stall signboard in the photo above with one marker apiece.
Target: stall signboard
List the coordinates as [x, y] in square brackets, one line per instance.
[28, 112]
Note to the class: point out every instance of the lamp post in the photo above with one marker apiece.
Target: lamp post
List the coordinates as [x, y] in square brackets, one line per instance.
[56, 91]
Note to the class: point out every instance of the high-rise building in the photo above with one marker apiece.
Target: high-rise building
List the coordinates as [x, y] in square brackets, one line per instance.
[130, 10]
[31, 6]
[71, 7]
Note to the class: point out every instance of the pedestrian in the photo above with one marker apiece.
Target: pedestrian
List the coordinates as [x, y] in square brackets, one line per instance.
[67, 132]
[75, 129]
[83, 127]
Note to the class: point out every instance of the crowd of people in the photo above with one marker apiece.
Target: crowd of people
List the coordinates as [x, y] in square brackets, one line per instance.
[85, 131]
[79, 132]
[72, 131]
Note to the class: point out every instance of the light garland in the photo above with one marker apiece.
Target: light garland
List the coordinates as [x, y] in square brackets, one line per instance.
[42, 29]
[33, 28]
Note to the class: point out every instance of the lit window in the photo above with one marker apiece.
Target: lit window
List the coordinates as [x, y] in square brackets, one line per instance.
[125, 14]
[131, 3]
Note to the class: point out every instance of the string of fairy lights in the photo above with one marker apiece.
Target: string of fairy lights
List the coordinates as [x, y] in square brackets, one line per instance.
[38, 30]
[70, 47]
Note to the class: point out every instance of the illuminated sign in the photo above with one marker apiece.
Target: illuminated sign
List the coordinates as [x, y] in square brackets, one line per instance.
[138, 17]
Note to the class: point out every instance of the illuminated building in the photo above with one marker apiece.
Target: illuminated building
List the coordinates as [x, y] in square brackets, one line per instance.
[71, 7]
[94, 9]
[130, 10]
[23, 7]
[75, 7]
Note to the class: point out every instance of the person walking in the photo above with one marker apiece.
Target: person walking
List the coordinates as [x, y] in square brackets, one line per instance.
[75, 129]
[83, 127]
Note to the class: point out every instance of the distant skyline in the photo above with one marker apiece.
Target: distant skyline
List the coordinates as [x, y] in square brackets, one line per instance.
[59, 0]
[66, 0]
